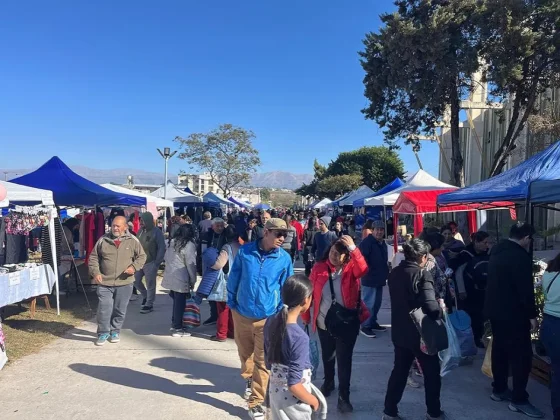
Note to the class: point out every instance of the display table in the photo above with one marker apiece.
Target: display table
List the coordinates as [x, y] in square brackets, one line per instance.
[25, 284]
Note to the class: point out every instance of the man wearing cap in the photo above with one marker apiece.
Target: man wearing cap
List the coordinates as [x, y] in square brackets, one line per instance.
[323, 239]
[254, 293]
[374, 250]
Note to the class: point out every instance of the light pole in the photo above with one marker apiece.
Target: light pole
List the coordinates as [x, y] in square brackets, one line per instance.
[166, 155]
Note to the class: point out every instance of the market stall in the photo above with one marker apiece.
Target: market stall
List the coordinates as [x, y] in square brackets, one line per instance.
[240, 203]
[152, 203]
[320, 204]
[396, 183]
[174, 194]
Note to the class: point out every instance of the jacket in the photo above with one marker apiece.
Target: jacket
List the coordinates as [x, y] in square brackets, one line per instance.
[410, 287]
[350, 286]
[152, 240]
[299, 229]
[510, 294]
[111, 262]
[377, 258]
[180, 268]
[255, 281]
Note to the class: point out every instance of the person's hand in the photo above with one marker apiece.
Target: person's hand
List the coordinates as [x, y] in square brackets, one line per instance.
[347, 241]
[315, 406]
[130, 270]
[534, 325]
[98, 279]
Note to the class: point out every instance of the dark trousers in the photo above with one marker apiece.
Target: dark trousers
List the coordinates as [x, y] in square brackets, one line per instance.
[179, 300]
[213, 310]
[511, 348]
[397, 382]
[477, 321]
[550, 336]
[339, 351]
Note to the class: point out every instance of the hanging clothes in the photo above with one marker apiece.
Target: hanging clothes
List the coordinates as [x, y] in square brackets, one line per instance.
[46, 249]
[99, 225]
[89, 220]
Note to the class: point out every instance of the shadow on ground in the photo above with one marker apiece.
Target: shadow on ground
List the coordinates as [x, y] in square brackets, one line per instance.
[192, 369]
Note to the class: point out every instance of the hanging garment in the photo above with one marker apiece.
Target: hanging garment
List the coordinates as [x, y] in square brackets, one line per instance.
[99, 226]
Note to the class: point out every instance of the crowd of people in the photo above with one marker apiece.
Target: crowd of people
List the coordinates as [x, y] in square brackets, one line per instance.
[246, 262]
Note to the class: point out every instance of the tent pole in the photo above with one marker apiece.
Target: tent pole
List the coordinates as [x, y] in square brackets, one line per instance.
[54, 214]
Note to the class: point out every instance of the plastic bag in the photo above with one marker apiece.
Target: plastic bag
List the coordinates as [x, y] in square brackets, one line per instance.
[450, 357]
[461, 323]
[487, 364]
[191, 315]
[313, 354]
[3, 357]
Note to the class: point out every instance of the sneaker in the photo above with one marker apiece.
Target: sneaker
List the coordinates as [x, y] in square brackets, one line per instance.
[502, 396]
[180, 333]
[115, 337]
[327, 388]
[146, 309]
[412, 383]
[528, 409]
[379, 328]
[367, 332]
[219, 340]
[256, 413]
[210, 321]
[248, 389]
[442, 416]
[344, 405]
[102, 339]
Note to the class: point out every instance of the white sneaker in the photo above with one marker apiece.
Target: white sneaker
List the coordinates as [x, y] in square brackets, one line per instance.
[256, 413]
[180, 333]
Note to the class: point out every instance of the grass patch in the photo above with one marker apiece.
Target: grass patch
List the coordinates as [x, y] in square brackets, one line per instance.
[26, 336]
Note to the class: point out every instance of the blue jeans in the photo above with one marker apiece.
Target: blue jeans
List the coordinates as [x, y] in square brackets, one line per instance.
[550, 337]
[372, 297]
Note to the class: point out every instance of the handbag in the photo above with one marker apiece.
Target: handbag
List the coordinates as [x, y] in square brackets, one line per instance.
[313, 354]
[340, 320]
[191, 315]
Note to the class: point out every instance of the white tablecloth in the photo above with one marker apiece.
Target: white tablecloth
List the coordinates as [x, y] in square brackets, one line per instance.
[25, 284]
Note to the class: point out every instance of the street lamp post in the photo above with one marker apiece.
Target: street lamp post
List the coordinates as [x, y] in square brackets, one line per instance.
[166, 155]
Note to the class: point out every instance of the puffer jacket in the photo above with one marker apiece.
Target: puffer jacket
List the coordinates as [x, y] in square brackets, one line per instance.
[180, 268]
[350, 286]
[111, 261]
[255, 281]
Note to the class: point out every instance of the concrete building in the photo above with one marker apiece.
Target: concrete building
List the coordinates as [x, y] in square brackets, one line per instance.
[199, 184]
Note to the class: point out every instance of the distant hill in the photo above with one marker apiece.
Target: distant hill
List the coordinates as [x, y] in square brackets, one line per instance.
[277, 179]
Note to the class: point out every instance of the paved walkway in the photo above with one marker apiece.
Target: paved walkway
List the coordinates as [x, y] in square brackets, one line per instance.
[150, 375]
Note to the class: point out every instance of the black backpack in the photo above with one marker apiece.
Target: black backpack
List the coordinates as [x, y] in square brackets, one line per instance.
[477, 271]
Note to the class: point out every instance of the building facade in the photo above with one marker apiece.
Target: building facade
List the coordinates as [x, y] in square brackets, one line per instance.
[199, 184]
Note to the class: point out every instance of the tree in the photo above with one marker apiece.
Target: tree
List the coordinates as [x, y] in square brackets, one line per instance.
[226, 153]
[310, 190]
[265, 195]
[418, 68]
[336, 185]
[520, 45]
[377, 166]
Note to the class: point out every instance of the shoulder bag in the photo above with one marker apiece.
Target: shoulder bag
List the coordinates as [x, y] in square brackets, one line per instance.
[341, 321]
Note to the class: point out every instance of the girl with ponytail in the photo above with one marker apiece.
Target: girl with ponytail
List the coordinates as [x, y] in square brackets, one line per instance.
[286, 347]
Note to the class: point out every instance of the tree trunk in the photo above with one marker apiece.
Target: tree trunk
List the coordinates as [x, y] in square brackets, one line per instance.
[456, 152]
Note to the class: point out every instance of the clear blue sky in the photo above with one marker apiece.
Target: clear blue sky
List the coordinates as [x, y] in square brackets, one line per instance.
[103, 83]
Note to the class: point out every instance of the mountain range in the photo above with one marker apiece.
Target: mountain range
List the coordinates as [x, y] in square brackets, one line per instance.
[275, 179]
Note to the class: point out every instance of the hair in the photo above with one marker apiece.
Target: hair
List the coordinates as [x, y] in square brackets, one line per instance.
[520, 230]
[216, 220]
[341, 248]
[183, 236]
[452, 223]
[288, 219]
[295, 290]
[231, 234]
[479, 236]
[207, 215]
[415, 249]
[554, 265]
[312, 223]
[368, 224]
[444, 228]
[71, 223]
[434, 240]
[186, 218]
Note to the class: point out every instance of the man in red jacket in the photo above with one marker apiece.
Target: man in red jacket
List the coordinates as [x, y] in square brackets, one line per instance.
[299, 234]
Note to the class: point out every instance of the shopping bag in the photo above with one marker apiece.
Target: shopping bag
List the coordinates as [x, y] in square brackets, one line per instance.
[3, 357]
[487, 364]
[450, 357]
[191, 316]
[433, 332]
[219, 291]
[313, 354]
[461, 323]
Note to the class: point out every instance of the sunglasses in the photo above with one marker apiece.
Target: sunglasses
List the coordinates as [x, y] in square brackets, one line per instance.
[280, 233]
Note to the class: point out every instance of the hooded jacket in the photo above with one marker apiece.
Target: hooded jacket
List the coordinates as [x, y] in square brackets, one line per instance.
[510, 294]
[152, 240]
[111, 261]
[377, 257]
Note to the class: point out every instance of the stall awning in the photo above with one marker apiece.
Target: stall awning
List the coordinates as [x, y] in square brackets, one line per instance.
[211, 197]
[158, 202]
[396, 183]
[22, 195]
[174, 194]
[70, 189]
[239, 203]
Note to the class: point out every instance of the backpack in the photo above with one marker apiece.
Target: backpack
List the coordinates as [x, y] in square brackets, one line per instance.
[460, 275]
[477, 270]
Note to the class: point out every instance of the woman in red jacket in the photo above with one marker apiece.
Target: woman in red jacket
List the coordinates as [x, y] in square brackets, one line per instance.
[342, 267]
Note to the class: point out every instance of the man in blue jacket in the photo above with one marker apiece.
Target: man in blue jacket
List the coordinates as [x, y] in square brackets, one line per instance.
[254, 284]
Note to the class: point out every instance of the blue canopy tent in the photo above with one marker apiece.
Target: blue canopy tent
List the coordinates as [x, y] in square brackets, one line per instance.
[71, 189]
[535, 181]
[262, 206]
[335, 203]
[396, 183]
[239, 203]
[210, 197]
[188, 190]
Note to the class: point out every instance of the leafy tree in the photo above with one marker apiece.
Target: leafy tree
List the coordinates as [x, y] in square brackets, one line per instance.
[418, 68]
[520, 46]
[377, 166]
[226, 153]
[310, 190]
[265, 195]
[336, 185]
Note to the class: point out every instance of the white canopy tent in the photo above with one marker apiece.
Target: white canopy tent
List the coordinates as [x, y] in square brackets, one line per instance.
[158, 202]
[175, 194]
[421, 180]
[361, 192]
[23, 195]
[319, 204]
